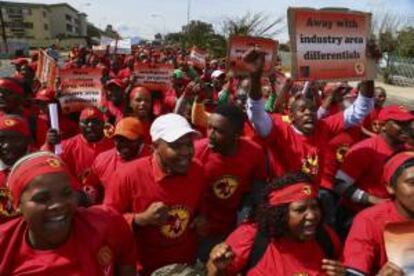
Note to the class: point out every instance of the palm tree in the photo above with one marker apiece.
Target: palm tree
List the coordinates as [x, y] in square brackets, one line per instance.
[256, 24]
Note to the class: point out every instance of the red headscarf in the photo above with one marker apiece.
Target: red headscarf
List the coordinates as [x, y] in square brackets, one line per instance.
[30, 166]
[13, 86]
[394, 163]
[296, 192]
[14, 123]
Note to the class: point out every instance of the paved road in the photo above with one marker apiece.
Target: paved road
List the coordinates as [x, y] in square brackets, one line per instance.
[396, 95]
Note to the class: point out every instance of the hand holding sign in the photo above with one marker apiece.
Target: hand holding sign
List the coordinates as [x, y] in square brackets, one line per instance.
[255, 60]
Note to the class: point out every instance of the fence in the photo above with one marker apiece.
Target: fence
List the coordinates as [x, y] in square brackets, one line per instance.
[399, 71]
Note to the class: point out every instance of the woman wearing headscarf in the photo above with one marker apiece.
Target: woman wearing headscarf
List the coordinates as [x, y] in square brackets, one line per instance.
[53, 236]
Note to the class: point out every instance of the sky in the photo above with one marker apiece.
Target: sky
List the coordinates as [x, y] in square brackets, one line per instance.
[146, 18]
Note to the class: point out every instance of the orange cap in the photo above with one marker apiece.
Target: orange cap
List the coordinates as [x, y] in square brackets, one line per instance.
[130, 128]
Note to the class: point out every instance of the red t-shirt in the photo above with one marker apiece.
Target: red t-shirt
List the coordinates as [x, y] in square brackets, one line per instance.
[99, 241]
[297, 152]
[364, 248]
[335, 153]
[124, 74]
[108, 162]
[364, 163]
[283, 256]
[141, 183]
[79, 155]
[228, 179]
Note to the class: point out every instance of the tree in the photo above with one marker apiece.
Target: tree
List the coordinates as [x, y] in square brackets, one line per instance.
[405, 40]
[256, 24]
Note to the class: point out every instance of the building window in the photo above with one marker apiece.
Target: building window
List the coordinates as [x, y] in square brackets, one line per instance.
[28, 25]
[68, 17]
[27, 11]
[14, 11]
[44, 13]
[77, 21]
[69, 28]
[46, 27]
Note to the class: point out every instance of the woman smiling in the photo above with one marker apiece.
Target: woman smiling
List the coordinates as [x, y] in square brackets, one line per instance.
[54, 236]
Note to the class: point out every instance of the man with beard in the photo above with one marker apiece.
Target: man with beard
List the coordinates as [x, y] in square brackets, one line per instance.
[14, 144]
[229, 177]
[160, 195]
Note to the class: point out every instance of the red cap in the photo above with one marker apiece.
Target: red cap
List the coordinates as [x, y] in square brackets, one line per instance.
[396, 113]
[20, 61]
[296, 192]
[12, 86]
[14, 123]
[29, 167]
[91, 113]
[46, 95]
[116, 82]
[394, 163]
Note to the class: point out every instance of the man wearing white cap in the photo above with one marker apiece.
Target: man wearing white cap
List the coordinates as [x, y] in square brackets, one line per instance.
[159, 195]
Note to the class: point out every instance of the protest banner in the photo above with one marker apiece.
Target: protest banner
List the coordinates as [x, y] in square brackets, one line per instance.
[330, 44]
[198, 57]
[154, 76]
[100, 50]
[47, 70]
[121, 47]
[399, 245]
[239, 45]
[80, 88]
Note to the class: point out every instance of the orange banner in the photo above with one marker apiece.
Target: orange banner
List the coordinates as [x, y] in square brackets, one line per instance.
[154, 76]
[47, 70]
[80, 88]
[239, 45]
[329, 44]
[198, 57]
[399, 245]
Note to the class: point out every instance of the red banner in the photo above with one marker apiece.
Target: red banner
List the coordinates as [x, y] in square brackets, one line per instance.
[80, 88]
[47, 70]
[239, 45]
[154, 76]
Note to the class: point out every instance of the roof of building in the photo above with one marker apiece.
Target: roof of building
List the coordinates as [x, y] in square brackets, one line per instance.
[25, 4]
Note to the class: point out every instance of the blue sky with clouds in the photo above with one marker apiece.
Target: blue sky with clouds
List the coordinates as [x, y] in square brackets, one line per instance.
[145, 18]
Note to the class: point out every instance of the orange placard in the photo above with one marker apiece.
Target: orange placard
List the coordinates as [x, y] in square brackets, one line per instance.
[399, 245]
[329, 44]
[198, 57]
[154, 76]
[239, 45]
[80, 88]
[47, 70]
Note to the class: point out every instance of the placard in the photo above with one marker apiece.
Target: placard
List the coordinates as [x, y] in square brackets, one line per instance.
[80, 88]
[47, 70]
[154, 76]
[239, 45]
[198, 57]
[330, 44]
[399, 245]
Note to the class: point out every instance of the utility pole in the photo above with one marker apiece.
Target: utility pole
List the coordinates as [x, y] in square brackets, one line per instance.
[3, 29]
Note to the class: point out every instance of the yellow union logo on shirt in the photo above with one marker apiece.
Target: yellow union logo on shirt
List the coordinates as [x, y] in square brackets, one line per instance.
[6, 204]
[225, 187]
[177, 222]
[310, 165]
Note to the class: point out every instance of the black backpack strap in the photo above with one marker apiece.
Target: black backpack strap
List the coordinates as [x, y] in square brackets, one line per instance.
[324, 240]
[261, 241]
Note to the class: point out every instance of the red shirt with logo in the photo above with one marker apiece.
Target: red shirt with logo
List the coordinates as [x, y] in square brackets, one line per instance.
[335, 154]
[99, 241]
[283, 256]
[364, 248]
[364, 163]
[79, 155]
[142, 183]
[228, 179]
[298, 152]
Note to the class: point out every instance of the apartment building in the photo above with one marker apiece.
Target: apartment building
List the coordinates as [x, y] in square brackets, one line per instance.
[38, 24]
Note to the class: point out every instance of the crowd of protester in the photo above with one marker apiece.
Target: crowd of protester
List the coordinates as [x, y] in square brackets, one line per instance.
[222, 174]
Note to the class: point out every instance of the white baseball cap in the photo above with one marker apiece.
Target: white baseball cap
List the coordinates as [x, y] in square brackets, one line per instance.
[216, 74]
[170, 127]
